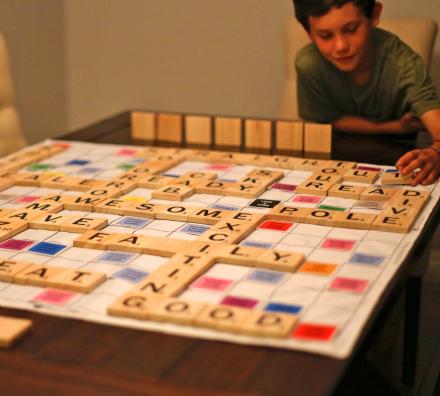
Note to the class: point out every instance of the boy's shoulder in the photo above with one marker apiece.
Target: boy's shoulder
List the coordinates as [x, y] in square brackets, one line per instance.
[308, 57]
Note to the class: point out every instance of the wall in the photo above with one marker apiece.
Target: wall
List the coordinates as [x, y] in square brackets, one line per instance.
[35, 37]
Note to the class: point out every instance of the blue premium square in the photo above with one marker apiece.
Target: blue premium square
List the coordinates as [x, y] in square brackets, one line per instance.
[195, 229]
[49, 248]
[78, 162]
[286, 308]
[266, 276]
[116, 257]
[132, 222]
[369, 259]
[132, 275]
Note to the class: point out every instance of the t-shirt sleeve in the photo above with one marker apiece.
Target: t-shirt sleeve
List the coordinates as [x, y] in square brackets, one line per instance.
[418, 87]
[314, 102]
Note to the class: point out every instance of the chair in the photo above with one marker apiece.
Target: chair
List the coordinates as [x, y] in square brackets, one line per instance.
[11, 137]
[418, 33]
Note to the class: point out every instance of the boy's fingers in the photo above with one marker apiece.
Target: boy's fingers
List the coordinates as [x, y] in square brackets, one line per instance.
[432, 177]
[405, 159]
[422, 175]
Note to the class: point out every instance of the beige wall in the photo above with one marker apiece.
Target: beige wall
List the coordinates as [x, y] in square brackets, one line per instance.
[35, 35]
[76, 61]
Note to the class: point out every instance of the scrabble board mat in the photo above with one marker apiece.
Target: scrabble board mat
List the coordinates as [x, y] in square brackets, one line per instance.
[332, 300]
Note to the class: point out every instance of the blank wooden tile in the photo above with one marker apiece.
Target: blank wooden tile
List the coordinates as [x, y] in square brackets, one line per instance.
[78, 280]
[317, 138]
[268, 324]
[258, 134]
[11, 329]
[9, 268]
[290, 135]
[279, 260]
[169, 128]
[198, 129]
[222, 318]
[81, 224]
[228, 131]
[143, 125]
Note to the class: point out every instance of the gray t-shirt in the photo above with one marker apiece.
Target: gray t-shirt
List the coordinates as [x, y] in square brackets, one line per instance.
[399, 84]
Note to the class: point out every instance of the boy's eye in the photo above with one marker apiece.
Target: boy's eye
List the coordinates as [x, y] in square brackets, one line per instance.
[325, 36]
[351, 29]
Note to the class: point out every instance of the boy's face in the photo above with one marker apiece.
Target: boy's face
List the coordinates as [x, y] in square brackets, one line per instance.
[343, 36]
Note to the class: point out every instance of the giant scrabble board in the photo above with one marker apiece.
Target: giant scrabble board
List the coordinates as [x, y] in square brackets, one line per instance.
[264, 250]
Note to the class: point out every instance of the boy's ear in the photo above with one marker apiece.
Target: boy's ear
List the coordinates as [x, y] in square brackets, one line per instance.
[377, 12]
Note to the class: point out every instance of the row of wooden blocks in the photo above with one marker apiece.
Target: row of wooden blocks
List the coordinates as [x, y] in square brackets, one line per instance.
[274, 135]
[26, 273]
[11, 329]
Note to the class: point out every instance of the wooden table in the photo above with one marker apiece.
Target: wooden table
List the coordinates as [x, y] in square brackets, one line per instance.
[63, 356]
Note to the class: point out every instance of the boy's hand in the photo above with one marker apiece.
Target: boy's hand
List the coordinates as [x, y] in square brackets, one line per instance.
[408, 123]
[427, 160]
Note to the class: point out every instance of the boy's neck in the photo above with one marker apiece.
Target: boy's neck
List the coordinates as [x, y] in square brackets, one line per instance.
[362, 75]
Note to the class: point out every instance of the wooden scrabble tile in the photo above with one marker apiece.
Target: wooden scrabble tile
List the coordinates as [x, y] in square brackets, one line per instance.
[169, 128]
[162, 286]
[375, 193]
[245, 190]
[133, 305]
[30, 179]
[53, 207]
[218, 236]
[9, 228]
[153, 181]
[207, 215]
[393, 210]
[37, 275]
[278, 161]
[391, 178]
[177, 276]
[360, 176]
[143, 125]
[346, 191]
[60, 182]
[408, 197]
[261, 173]
[104, 192]
[280, 260]
[175, 310]
[4, 212]
[268, 324]
[198, 248]
[84, 184]
[355, 220]
[174, 212]
[83, 202]
[78, 280]
[317, 138]
[309, 164]
[112, 206]
[197, 261]
[81, 224]
[128, 177]
[401, 224]
[93, 240]
[228, 131]
[173, 193]
[198, 130]
[213, 187]
[258, 134]
[289, 135]
[9, 268]
[230, 226]
[287, 213]
[320, 217]
[128, 242]
[12, 329]
[240, 255]
[124, 187]
[146, 209]
[222, 318]
[49, 221]
[329, 177]
[313, 187]
[195, 177]
[5, 183]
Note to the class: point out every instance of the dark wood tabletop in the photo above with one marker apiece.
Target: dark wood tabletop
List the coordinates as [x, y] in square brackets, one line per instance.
[72, 357]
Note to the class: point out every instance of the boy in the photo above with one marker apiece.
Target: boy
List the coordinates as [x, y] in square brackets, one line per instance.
[363, 79]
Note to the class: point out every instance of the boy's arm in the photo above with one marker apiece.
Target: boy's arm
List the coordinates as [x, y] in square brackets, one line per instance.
[426, 159]
[407, 124]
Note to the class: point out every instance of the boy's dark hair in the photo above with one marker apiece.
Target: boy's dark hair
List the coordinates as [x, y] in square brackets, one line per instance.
[306, 8]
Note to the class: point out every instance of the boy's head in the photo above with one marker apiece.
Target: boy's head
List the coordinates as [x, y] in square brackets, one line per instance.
[342, 31]
[317, 8]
